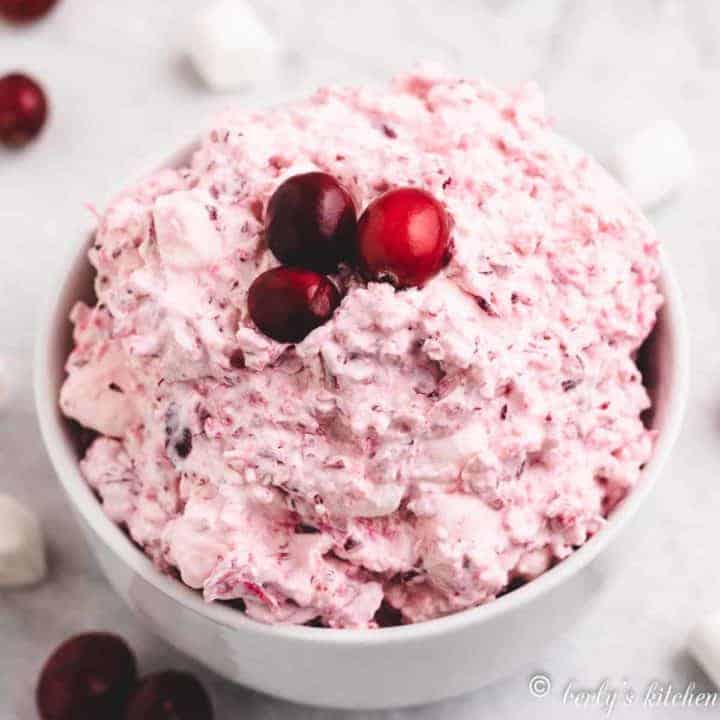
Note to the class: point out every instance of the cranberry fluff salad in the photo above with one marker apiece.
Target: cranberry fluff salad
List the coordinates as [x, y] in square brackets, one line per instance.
[368, 358]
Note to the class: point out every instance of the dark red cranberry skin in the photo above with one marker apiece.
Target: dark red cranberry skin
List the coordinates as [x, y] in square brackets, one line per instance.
[169, 696]
[23, 109]
[25, 11]
[89, 677]
[287, 303]
[388, 616]
[403, 238]
[311, 222]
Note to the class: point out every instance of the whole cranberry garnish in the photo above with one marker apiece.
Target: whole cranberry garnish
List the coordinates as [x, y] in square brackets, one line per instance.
[25, 10]
[311, 222]
[89, 676]
[403, 237]
[287, 303]
[169, 696]
[23, 109]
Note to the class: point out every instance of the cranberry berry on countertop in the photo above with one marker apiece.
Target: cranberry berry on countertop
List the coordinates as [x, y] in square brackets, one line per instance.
[403, 237]
[89, 676]
[311, 222]
[23, 11]
[23, 109]
[169, 696]
[287, 303]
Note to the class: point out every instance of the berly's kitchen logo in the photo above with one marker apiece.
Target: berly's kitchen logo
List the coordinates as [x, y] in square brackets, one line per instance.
[606, 696]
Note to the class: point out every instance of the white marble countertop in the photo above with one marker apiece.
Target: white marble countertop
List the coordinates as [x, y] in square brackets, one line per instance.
[121, 90]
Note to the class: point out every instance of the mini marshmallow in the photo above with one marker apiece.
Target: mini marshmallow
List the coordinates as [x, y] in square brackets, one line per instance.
[654, 162]
[230, 46]
[22, 550]
[6, 385]
[704, 645]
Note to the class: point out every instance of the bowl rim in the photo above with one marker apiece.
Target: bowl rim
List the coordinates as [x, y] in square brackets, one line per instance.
[84, 501]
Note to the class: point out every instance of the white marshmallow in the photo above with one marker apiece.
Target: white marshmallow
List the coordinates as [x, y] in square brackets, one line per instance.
[186, 236]
[22, 550]
[458, 447]
[6, 385]
[231, 47]
[654, 162]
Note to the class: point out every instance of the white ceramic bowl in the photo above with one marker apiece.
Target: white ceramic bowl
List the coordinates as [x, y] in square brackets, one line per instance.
[354, 668]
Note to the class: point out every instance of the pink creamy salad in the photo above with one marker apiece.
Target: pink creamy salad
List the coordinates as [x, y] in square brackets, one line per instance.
[426, 449]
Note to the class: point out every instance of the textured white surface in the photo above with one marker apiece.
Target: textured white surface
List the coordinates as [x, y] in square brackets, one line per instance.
[22, 550]
[121, 91]
[230, 46]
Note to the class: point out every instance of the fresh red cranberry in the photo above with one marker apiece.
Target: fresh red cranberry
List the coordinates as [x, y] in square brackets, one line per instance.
[89, 676]
[23, 109]
[403, 237]
[23, 11]
[287, 303]
[169, 696]
[311, 222]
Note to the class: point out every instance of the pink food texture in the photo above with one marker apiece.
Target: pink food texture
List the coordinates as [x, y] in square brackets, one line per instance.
[425, 449]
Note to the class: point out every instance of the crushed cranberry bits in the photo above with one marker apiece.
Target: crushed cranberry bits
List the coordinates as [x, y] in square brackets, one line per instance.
[287, 303]
[25, 11]
[311, 222]
[89, 676]
[23, 109]
[403, 238]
